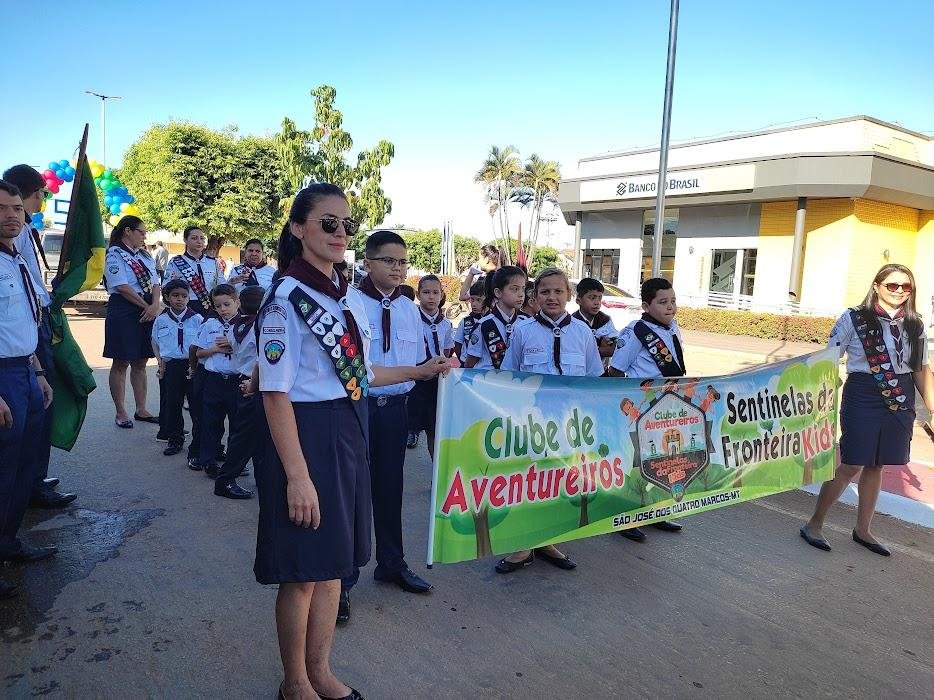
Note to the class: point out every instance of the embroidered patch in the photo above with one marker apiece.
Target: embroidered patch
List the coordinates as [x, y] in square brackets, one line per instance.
[621, 342]
[113, 269]
[274, 350]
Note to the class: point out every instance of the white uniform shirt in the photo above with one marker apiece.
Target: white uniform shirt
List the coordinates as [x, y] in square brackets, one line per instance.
[165, 334]
[263, 275]
[117, 271]
[445, 330]
[477, 347]
[291, 359]
[26, 246]
[211, 330]
[532, 350]
[844, 335]
[459, 336]
[245, 359]
[206, 266]
[631, 356]
[19, 334]
[406, 347]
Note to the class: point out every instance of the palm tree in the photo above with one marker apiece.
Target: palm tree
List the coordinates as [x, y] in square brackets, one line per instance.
[500, 174]
[541, 178]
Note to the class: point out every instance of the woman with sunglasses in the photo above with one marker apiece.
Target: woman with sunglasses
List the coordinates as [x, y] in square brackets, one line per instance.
[314, 483]
[886, 358]
[135, 291]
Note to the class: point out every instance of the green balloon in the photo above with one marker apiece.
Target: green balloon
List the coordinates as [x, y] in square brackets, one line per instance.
[108, 174]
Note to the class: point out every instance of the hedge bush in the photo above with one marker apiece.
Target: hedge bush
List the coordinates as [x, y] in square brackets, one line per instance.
[803, 329]
[449, 283]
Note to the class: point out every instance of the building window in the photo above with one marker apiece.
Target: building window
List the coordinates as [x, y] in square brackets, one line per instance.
[667, 267]
[733, 270]
[603, 264]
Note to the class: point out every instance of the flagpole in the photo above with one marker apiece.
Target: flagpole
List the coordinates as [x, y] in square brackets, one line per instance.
[663, 149]
[75, 189]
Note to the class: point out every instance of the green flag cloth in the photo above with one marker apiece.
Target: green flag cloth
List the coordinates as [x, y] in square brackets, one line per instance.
[81, 268]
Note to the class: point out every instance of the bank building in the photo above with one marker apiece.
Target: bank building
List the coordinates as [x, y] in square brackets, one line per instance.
[789, 219]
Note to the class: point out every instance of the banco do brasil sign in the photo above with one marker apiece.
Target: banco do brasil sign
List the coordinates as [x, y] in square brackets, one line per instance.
[731, 178]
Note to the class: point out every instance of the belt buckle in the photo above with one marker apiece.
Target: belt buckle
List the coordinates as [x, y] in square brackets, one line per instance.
[382, 401]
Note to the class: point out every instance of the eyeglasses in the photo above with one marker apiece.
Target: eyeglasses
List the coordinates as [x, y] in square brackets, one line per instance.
[329, 225]
[893, 287]
[392, 262]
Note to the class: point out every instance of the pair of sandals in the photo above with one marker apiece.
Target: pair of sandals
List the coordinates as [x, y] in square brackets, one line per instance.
[127, 424]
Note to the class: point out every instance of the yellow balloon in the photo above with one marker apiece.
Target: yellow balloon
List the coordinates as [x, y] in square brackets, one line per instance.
[125, 208]
[131, 209]
[42, 206]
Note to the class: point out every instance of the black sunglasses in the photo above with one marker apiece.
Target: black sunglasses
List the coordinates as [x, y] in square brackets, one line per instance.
[893, 287]
[329, 225]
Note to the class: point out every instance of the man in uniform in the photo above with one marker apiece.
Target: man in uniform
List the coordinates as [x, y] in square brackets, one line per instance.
[33, 190]
[24, 391]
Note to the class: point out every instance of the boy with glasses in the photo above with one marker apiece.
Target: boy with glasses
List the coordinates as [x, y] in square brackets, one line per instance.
[396, 334]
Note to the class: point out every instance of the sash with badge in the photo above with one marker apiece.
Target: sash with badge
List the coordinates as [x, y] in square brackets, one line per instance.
[470, 324]
[195, 281]
[493, 339]
[658, 350]
[892, 386]
[250, 281]
[141, 272]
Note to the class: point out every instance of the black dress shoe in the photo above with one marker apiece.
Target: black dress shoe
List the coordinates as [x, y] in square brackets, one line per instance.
[818, 542]
[194, 465]
[343, 608]
[562, 562]
[51, 499]
[354, 695]
[27, 553]
[406, 579]
[173, 449]
[232, 490]
[504, 566]
[7, 590]
[667, 526]
[210, 470]
[875, 547]
[51, 483]
[412, 441]
[161, 438]
[146, 419]
[634, 533]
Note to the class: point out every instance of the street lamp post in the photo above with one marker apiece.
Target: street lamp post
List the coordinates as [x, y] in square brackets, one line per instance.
[103, 99]
[663, 149]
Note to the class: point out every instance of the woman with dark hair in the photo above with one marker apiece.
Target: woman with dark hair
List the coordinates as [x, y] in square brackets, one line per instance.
[314, 484]
[886, 358]
[491, 259]
[198, 269]
[135, 290]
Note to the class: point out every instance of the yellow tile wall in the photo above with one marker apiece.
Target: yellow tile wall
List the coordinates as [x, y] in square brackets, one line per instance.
[924, 264]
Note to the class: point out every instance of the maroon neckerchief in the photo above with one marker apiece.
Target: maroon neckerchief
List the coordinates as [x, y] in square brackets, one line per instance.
[179, 322]
[679, 354]
[508, 323]
[598, 321]
[432, 323]
[311, 276]
[894, 330]
[556, 329]
[368, 288]
[27, 280]
[243, 326]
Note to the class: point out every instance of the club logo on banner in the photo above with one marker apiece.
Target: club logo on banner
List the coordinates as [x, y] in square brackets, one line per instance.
[525, 460]
[672, 443]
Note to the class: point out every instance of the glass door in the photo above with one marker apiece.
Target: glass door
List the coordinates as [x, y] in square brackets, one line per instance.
[723, 271]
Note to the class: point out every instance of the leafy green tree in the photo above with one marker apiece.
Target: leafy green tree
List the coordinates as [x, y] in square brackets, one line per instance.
[545, 257]
[540, 178]
[182, 174]
[320, 155]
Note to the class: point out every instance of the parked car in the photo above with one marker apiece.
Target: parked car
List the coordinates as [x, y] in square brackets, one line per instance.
[622, 307]
[52, 244]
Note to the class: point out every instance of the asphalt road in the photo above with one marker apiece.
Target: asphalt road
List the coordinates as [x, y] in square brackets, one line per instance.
[152, 595]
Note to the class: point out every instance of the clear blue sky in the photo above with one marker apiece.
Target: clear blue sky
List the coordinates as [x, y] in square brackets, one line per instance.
[444, 81]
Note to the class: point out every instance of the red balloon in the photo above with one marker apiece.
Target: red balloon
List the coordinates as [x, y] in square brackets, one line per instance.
[53, 188]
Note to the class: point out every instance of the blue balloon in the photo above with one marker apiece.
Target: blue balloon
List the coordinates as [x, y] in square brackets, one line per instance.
[114, 208]
[70, 173]
[124, 191]
[130, 199]
[53, 165]
[37, 219]
[63, 164]
[108, 200]
[60, 174]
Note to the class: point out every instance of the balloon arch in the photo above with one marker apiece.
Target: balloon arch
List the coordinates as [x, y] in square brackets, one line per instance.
[117, 197]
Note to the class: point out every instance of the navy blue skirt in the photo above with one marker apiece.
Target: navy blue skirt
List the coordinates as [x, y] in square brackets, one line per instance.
[335, 447]
[422, 405]
[872, 435]
[125, 338]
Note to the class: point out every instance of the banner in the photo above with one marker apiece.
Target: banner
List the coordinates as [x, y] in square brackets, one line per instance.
[525, 460]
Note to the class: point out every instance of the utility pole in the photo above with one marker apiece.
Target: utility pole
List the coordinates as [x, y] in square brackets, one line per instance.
[103, 99]
[663, 149]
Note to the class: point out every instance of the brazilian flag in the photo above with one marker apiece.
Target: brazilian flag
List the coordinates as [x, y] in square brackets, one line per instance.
[81, 268]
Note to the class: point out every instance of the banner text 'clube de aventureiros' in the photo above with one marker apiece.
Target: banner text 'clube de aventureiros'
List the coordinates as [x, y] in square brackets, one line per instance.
[525, 460]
